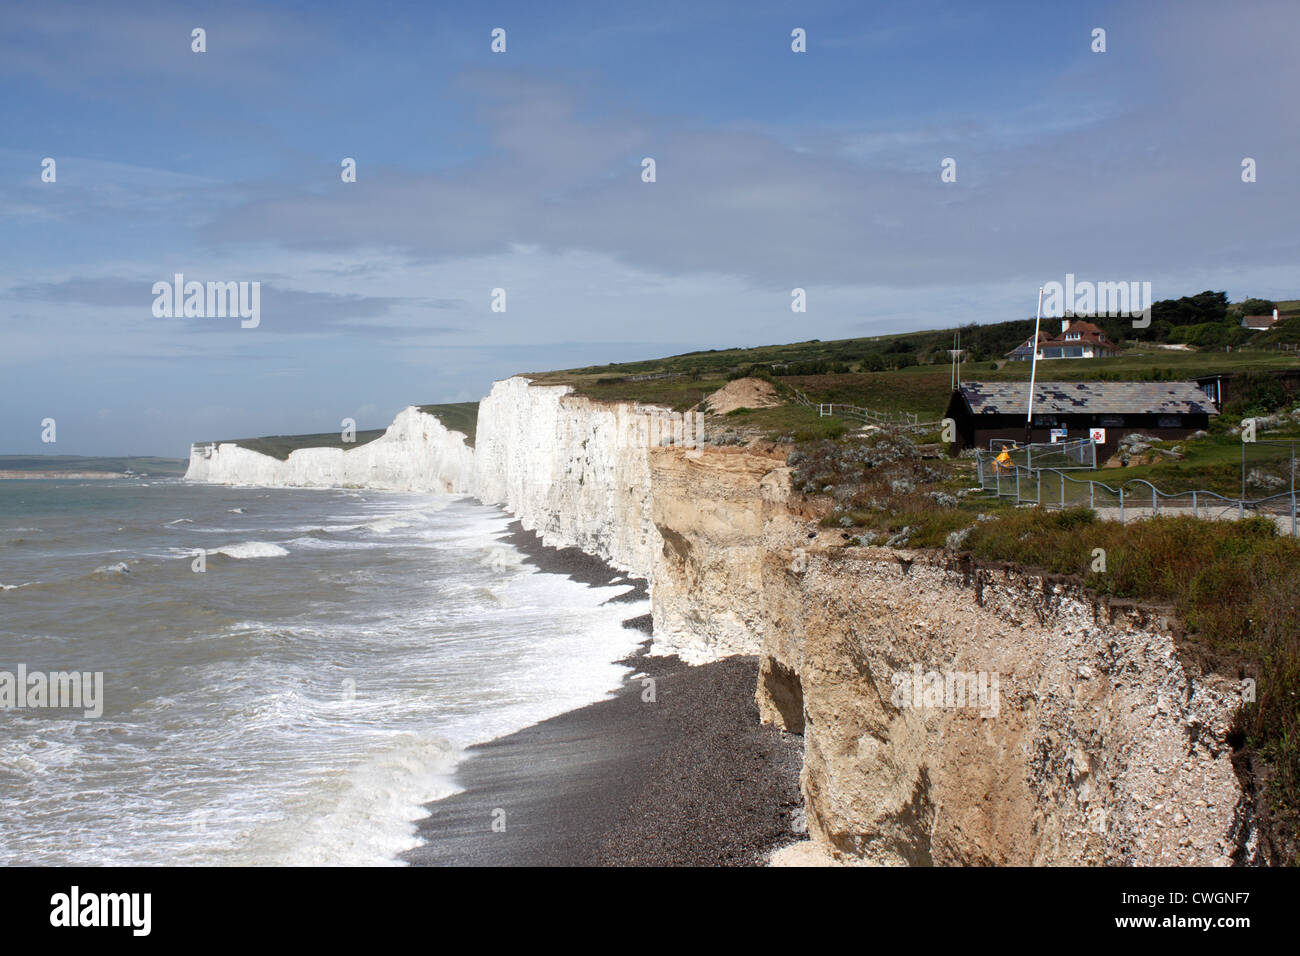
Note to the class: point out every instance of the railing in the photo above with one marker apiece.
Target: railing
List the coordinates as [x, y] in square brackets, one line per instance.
[1135, 498]
[1079, 454]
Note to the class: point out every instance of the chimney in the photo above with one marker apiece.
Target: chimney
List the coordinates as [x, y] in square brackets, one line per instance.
[1275, 316]
[1065, 324]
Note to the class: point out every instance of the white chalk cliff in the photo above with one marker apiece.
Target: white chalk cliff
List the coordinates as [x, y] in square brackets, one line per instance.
[416, 453]
[574, 470]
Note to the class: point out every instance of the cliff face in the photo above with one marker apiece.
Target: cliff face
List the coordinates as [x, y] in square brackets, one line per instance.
[416, 453]
[710, 507]
[950, 715]
[1083, 737]
[574, 470]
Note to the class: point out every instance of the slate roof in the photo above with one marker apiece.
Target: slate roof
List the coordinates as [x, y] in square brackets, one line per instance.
[1097, 398]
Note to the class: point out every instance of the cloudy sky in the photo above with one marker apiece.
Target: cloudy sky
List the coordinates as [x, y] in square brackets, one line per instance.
[522, 170]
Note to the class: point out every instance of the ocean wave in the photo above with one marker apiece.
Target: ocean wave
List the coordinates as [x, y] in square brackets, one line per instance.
[182, 521]
[251, 549]
[322, 543]
[121, 567]
[15, 587]
[385, 525]
[235, 511]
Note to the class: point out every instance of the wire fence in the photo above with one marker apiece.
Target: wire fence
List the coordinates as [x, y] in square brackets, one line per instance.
[1052, 487]
[902, 420]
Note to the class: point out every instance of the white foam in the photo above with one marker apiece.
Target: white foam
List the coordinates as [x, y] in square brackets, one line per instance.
[251, 549]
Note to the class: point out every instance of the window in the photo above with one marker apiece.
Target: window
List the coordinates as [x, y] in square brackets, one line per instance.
[1169, 421]
[1112, 421]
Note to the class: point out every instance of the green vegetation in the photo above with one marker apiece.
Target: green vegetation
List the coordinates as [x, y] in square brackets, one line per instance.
[910, 371]
[1232, 583]
[788, 423]
[143, 465]
[457, 416]
[279, 446]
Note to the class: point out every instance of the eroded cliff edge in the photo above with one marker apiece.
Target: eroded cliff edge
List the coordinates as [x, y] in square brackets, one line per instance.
[1108, 745]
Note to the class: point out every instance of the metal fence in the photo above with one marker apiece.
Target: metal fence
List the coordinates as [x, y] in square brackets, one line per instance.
[1080, 454]
[1136, 498]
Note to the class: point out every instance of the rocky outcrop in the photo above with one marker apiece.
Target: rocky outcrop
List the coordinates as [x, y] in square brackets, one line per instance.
[1082, 736]
[416, 453]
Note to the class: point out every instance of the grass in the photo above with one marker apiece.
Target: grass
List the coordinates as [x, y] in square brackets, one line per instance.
[790, 423]
[456, 416]
[923, 390]
[1232, 583]
[279, 446]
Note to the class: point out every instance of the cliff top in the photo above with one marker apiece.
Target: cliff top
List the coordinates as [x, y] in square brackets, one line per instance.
[455, 416]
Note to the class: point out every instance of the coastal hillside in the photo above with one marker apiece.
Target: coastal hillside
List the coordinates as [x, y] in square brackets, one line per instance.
[857, 562]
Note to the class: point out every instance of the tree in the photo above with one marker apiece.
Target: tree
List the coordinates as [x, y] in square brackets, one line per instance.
[1257, 307]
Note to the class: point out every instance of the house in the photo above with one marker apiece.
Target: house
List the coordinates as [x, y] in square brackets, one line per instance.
[995, 411]
[1259, 323]
[1025, 352]
[1078, 339]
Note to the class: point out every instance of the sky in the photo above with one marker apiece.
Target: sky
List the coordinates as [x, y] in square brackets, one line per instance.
[522, 170]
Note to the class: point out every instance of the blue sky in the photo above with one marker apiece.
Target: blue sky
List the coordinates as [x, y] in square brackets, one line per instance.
[521, 170]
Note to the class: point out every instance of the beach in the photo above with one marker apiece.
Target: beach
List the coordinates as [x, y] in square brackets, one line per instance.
[683, 776]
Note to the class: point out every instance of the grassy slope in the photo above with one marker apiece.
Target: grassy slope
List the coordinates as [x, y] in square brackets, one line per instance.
[456, 416]
[922, 389]
[279, 446]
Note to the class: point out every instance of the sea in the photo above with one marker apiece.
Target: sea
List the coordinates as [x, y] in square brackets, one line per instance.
[288, 675]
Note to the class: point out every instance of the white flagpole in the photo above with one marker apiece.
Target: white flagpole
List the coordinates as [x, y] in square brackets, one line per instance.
[1033, 368]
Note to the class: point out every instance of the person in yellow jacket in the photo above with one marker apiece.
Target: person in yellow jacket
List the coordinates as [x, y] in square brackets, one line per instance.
[1004, 459]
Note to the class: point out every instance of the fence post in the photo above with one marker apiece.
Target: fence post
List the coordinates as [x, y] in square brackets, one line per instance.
[1121, 504]
[1038, 490]
[1293, 489]
[1092, 494]
[1194, 513]
[1155, 502]
[1017, 484]
[1061, 475]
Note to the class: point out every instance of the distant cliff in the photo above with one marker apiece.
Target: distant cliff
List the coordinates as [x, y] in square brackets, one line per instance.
[416, 453]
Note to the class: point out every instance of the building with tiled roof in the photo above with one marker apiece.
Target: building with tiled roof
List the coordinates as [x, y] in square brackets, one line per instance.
[1078, 339]
[1259, 322]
